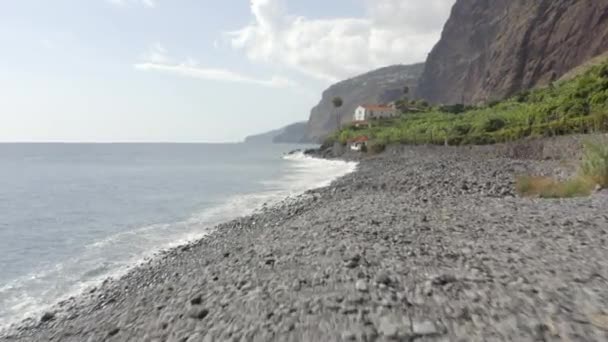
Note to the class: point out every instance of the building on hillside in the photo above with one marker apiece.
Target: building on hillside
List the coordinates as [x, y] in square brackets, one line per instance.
[358, 143]
[372, 112]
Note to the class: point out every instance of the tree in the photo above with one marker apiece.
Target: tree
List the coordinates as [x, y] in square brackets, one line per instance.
[406, 92]
[337, 102]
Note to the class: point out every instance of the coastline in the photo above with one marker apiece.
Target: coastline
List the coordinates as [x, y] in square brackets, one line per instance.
[418, 243]
[272, 199]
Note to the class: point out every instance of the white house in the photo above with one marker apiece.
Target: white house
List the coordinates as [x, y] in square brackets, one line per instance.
[359, 143]
[370, 112]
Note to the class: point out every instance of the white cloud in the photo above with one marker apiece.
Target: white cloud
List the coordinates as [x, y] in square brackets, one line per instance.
[156, 54]
[146, 3]
[393, 32]
[156, 59]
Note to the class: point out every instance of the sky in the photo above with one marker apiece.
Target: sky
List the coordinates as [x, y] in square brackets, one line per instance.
[191, 70]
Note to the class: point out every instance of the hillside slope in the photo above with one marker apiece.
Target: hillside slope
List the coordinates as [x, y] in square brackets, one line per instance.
[492, 49]
[382, 85]
[295, 133]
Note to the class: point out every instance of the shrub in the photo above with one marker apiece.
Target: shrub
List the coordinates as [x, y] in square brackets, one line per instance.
[595, 163]
[493, 103]
[576, 108]
[328, 142]
[600, 98]
[462, 129]
[376, 147]
[522, 97]
[454, 109]
[494, 124]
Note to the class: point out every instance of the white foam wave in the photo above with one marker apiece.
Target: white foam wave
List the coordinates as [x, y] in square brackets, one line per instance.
[32, 294]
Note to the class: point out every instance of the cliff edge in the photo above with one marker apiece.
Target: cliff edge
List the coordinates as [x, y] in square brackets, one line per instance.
[490, 49]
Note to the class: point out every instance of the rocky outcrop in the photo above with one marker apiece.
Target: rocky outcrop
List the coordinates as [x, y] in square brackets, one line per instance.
[490, 49]
[379, 86]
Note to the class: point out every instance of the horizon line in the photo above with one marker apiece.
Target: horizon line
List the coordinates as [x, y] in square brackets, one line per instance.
[121, 142]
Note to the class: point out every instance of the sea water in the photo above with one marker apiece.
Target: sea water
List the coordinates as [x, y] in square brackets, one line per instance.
[72, 215]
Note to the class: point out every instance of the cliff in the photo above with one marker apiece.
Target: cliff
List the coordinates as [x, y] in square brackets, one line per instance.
[292, 134]
[490, 49]
[381, 86]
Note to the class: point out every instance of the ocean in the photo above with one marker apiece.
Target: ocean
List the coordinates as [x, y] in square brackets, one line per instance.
[72, 215]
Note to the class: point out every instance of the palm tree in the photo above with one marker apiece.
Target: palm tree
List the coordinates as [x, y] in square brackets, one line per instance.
[337, 102]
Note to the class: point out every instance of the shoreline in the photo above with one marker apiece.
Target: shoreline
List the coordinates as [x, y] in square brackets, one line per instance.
[83, 297]
[418, 243]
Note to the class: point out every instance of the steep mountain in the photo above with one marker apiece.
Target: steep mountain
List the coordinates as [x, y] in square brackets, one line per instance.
[292, 134]
[379, 86]
[494, 48]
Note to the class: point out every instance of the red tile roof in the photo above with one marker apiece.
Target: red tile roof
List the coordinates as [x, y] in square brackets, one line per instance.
[359, 139]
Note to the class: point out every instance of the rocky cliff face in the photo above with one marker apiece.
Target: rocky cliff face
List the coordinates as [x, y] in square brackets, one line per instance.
[379, 86]
[490, 49]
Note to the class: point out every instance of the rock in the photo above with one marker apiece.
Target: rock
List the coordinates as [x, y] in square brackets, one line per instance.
[394, 327]
[349, 336]
[352, 261]
[388, 328]
[361, 285]
[47, 316]
[196, 300]
[443, 279]
[424, 328]
[198, 313]
[114, 331]
[383, 278]
[296, 285]
[600, 321]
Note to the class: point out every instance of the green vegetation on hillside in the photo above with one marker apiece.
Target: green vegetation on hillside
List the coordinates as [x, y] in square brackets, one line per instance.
[578, 105]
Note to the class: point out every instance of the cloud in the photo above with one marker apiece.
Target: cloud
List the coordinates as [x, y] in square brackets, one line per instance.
[392, 32]
[146, 3]
[156, 54]
[156, 59]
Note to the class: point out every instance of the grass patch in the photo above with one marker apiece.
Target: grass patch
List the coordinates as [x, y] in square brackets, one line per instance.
[593, 173]
[595, 163]
[547, 187]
